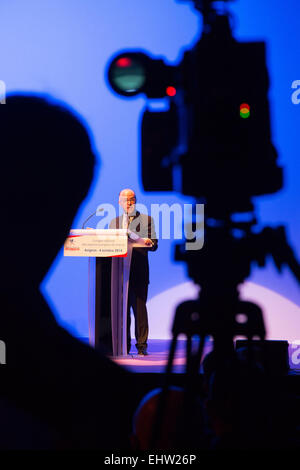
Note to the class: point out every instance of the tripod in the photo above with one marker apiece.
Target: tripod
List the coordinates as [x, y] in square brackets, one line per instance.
[219, 269]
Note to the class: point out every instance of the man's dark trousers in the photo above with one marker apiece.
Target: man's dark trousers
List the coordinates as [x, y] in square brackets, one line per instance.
[137, 298]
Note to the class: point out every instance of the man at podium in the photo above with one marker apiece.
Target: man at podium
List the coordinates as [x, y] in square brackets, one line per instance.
[143, 226]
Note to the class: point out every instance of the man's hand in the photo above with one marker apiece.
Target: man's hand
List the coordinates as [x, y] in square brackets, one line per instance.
[148, 242]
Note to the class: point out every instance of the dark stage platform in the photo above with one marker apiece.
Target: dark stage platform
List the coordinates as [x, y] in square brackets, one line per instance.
[149, 373]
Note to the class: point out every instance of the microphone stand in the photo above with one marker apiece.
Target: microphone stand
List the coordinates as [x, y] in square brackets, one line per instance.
[90, 216]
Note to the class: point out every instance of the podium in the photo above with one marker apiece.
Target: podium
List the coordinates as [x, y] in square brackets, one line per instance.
[109, 253]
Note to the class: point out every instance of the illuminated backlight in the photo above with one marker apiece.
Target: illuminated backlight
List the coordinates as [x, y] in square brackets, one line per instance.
[171, 91]
[244, 110]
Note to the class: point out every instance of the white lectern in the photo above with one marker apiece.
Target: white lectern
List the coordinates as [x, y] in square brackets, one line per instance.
[116, 244]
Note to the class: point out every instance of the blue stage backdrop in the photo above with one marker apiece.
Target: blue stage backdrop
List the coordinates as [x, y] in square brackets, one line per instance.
[62, 48]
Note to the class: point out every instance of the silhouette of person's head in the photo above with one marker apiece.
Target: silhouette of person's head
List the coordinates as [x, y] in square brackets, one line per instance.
[56, 387]
[237, 400]
[47, 166]
[179, 427]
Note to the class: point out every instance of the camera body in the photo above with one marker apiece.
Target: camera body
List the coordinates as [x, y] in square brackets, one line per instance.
[215, 136]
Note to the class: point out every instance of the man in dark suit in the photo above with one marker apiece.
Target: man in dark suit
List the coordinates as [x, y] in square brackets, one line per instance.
[143, 226]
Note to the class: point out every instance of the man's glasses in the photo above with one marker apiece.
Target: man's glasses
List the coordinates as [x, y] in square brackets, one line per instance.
[130, 200]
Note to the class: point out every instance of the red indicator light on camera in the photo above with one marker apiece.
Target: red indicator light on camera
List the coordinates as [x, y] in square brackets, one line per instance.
[124, 62]
[171, 91]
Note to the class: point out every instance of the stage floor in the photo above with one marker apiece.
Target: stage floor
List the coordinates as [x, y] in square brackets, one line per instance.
[158, 351]
[156, 361]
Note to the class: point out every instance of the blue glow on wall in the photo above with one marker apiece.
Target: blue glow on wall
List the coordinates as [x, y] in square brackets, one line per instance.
[62, 47]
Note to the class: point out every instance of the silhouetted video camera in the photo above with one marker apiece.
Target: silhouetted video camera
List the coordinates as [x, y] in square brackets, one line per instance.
[214, 143]
[215, 139]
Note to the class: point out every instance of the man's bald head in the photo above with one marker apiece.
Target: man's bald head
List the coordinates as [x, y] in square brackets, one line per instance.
[127, 192]
[127, 200]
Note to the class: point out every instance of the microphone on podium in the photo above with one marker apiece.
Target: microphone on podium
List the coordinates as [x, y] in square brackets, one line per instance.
[90, 216]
